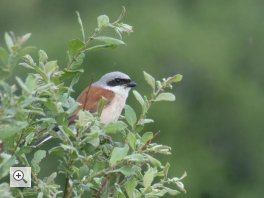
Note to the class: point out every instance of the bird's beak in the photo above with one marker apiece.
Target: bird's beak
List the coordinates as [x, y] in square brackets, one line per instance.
[131, 84]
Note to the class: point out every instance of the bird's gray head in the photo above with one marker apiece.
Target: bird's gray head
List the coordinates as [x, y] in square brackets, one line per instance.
[116, 78]
[116, 81]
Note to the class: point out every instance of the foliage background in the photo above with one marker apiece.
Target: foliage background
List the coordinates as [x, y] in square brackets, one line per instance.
[216, 125]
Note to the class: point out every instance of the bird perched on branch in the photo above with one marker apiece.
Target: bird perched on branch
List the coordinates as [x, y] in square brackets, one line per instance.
[114, 87]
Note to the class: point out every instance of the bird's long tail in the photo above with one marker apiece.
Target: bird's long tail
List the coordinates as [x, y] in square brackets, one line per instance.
[44, 137]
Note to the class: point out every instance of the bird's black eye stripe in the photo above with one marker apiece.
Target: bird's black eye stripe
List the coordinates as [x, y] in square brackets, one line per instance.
[118, 81]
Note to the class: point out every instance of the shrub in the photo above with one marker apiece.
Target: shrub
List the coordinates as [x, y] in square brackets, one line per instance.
[114, 160]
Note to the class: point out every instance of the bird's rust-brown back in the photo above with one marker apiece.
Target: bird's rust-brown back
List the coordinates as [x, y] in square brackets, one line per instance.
[89, 98]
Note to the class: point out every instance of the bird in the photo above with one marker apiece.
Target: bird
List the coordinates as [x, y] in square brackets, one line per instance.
[114, 87]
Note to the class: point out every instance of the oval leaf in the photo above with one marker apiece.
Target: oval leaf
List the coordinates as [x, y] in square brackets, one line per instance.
[176, 78]
[115, 127]
[139, 98]
[75, 46]
[118, 154]
[102, 21]
[130, 116]
[7, 131]
[165, 97]
[9, 41]
[149, 79]
[109, 40]
[149, 177]
[38, 157]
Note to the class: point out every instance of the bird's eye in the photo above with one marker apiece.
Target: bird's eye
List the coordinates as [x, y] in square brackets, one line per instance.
[118, 80]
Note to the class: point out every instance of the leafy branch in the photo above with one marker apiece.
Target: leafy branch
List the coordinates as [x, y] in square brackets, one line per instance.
[90, 164]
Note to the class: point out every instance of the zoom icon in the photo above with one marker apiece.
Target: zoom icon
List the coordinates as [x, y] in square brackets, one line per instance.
[20, 176]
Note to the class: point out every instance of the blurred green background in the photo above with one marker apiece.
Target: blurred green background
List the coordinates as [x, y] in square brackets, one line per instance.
[216, 125]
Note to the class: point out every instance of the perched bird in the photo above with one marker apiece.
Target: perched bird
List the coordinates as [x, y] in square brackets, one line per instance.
[114, 87]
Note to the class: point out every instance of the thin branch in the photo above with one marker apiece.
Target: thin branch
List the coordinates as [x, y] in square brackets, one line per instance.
[102, 186]
[67, 190]
[67, 187]
[149, 141]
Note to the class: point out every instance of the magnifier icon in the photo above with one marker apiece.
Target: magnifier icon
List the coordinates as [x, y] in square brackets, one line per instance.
[19, 175]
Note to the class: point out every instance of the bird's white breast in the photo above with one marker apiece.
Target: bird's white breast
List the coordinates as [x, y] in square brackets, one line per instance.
[112, 111]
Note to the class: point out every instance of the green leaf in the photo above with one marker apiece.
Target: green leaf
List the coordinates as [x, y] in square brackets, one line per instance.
[118, 154]
[38, 157]
[165, 97]
[154, 161]
[31, 83]
[86, 187]
[101, 104]
[67, 130]
[156, 193]
[83, 171]
[149, 176]
[43, 57]
[22, 84]
[70, 73]
[81, 25]
[92, 138]
[150, 80]
[174, 79]
[50, 179]
[115, 127]
[40, 195]
[162, 149]
[23, 39]
[99, 47]
[130, 116]
[70, 148]
[130, 186]
[139, 98]
[3, 55]
[125, 170]
[24, 150]
[5, 191]
[28, 140]
[9, 130]
[171, 191]
[9, 41]
[26, 65]
[136, 157]
[109, 40]
[120, 195]
[77, 61]
[166, 170]
[50, 67]
[103, 21]
[57, 151]
[146, 137]
[119, 191]
[145, 121]
[84, 118]
[6, 162]
[25, 50]
[28, 59]
[131, 139]
[75, 46]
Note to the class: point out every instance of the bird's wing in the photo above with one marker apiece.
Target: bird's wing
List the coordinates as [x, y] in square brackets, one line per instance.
[89, 98]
